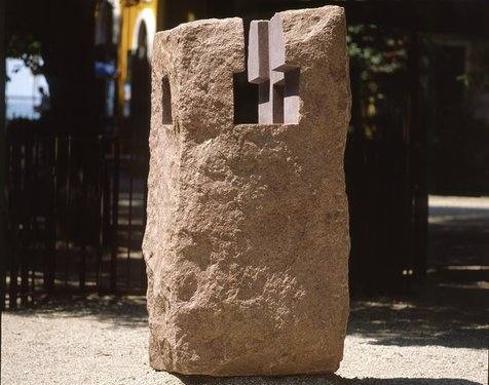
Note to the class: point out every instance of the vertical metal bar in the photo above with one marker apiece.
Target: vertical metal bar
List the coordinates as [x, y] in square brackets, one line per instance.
[8, 223]
[82, 267]
[50, 256]
[14, 225]
[419, 184]
[100, 212]
[26, 240]
[105, 202]
[84, 178]
[36, 235]
[115, 215]
[106, 195]
[3, 164]
[4, 214]
[129, 221]
[67, 203]
[13, 289]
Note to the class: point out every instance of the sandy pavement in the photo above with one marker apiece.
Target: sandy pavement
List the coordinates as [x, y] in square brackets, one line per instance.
[104, 341]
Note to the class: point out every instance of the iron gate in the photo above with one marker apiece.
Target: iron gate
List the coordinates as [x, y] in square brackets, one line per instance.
[76, 216]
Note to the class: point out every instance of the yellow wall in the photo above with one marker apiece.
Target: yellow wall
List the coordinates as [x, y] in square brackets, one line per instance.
[130, 14]
[131, 11]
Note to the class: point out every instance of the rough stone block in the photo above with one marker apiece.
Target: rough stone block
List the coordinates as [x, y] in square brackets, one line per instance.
[247, 241]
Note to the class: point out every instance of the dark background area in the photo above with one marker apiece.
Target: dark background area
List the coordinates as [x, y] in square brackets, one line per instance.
[75, 179]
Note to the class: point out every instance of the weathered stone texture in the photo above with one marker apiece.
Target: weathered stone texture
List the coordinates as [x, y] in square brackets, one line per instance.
[247, 239]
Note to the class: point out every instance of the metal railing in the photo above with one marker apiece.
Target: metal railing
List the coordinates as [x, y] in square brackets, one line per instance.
[76, 216]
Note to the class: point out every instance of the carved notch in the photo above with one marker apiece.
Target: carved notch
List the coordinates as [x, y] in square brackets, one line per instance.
[278, 81]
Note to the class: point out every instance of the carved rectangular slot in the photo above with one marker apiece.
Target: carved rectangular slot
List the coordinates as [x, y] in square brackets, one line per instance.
[264, 102]
[245, 99]
[278, 102]
[166, 101]
[291, 96]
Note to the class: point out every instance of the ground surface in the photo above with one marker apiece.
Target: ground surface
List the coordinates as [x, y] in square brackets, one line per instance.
[459, 231]
[438, 336]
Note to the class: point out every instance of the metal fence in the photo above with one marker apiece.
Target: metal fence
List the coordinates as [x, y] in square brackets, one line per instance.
[76, 216]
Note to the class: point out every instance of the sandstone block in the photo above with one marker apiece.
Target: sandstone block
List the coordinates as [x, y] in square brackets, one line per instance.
[247, 240]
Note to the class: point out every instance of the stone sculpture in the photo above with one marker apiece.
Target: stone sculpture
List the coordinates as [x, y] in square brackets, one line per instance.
[247, 240]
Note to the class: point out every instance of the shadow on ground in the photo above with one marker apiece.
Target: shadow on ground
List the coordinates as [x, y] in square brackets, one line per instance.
[459, 235]
[452, 309]
[121, 311]
[442, 314]
[317, 380]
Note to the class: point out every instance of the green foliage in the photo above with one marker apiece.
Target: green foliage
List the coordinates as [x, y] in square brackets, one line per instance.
[477, 77]
[28, 49]
[378, 60]
[375, 51]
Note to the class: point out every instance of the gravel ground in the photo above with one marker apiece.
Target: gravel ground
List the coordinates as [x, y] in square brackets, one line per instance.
[104, 341]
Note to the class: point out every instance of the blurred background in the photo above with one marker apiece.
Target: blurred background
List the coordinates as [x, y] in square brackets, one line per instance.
[77, 96]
